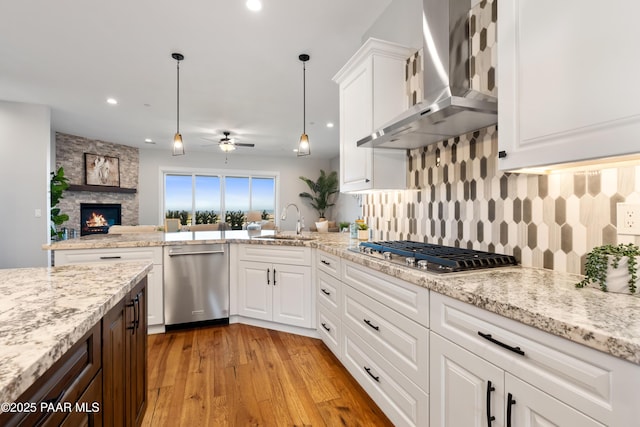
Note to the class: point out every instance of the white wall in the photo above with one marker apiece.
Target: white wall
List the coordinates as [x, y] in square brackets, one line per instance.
[289, 167]
[401, 22]
[348, 206]
[25, 144]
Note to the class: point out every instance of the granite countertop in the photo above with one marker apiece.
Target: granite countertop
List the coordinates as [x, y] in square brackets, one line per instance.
[44, 311]
[545, 299]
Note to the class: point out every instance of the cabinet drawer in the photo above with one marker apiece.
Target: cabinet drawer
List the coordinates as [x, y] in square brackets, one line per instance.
[406, 298]
[65, 381]
[294, 255]
[82, 256]
[330, 264]
[403, 342]
[580, 376]
[329, 329]
[329, 290]
[401, 400]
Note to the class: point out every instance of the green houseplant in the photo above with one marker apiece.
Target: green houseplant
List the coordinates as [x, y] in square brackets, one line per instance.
[610, 266]
[57, 185]
[323, 190]
[363, 231]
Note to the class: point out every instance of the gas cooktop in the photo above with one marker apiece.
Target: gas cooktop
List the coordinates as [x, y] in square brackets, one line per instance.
[434, 258]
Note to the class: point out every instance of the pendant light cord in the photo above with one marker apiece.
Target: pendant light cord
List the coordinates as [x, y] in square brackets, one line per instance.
[178, 98]
[304, 97]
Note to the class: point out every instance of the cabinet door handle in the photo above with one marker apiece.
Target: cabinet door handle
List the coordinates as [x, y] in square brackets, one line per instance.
[132, 328]
[111, 257]
[368, 322]
[326, 292]
[502, 154]
[137, 312]
[488, 337]
[510, 402]
[274, 276]
[326, 328]
[490, 418]
[268, 277]
[325, 262]
[370, 374]
[367, 180]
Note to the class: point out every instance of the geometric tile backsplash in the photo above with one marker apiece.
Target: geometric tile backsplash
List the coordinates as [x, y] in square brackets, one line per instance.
[458, 197]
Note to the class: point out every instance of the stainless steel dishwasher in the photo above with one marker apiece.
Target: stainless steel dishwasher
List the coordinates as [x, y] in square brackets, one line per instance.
[196, 285]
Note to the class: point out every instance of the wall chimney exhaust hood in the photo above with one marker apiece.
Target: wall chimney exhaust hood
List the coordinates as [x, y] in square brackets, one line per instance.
[450, 107]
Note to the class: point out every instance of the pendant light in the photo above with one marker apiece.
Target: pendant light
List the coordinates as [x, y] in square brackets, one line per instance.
[178, 145]
[303, 146]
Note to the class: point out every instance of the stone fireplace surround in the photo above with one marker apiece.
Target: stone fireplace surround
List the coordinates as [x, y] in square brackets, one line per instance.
[70, 151]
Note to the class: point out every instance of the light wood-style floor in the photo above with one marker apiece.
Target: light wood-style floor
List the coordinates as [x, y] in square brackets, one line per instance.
[240, 375]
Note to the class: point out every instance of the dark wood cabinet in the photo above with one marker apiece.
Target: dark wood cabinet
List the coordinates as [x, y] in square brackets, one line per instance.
[124, 359]
[55, 395]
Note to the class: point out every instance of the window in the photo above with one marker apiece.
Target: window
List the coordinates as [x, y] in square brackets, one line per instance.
[209, 198]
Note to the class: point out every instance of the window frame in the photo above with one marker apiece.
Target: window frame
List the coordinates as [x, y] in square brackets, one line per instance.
[222, 174]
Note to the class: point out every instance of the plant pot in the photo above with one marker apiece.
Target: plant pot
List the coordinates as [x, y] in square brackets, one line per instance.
[322, 226]
[618, 278]
[363, 234]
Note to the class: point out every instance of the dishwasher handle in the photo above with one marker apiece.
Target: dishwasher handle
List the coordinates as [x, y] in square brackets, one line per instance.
[171, 253]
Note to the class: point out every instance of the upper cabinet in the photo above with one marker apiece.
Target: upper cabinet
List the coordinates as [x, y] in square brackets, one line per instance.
[372, 92]
[566, 81]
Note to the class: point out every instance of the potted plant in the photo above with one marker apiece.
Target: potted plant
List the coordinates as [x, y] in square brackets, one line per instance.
[57, 185]
[612, 268]
[363, 231]
[344, 226]
[323, 190]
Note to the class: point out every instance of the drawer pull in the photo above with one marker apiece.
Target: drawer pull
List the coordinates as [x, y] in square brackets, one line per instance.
[326, 328]
[490, 418]
[111, 257]
[488, 337]
[326, 292]
[368, 322]
[325, 262]
[370, 374]
[510, 402]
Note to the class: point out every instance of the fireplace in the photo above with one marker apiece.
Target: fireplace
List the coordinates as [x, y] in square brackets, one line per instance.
[96, 218]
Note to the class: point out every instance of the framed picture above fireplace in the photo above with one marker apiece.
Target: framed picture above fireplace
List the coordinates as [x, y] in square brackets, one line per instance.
[101, 170]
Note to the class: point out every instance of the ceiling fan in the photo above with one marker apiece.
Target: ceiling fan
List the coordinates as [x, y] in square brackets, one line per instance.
[227, 144]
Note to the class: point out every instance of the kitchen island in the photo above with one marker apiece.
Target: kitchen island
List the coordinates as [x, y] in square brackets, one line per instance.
[46, 312]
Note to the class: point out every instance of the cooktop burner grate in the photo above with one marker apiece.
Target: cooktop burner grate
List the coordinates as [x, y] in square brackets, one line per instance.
[438, 257]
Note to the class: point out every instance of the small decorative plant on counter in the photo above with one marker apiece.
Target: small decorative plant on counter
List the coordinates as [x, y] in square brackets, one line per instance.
[612, 268]
[344, 225]
[363, 231]
[57, 185]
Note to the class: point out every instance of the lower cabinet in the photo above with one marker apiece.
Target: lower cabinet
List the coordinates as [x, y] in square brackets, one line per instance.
[466, 390]
[155, 311]
[488, 370]
[125, 360]
[273, 283]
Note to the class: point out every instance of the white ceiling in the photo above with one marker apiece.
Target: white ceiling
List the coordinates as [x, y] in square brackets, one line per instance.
[241, 70]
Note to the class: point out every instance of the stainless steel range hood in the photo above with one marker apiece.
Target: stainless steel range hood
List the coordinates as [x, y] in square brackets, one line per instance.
[450, 107]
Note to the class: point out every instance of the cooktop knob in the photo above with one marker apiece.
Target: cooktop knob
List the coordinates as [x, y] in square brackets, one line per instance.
[386, 255]
[410, 261]
[422, 264]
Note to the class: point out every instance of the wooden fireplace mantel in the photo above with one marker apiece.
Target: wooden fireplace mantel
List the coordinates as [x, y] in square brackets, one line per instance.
[100, 189]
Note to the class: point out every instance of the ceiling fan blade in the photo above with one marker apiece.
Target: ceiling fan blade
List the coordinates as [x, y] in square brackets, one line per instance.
[240, 144]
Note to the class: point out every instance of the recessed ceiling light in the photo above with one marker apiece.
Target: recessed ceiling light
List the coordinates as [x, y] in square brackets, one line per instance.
[112, 101]
[295, 150]
[149, 141]
[254, 5]
[329, 125]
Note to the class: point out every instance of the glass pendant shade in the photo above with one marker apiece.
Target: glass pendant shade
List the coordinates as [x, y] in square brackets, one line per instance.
[303, 146]
[227, 147]
[178, 146]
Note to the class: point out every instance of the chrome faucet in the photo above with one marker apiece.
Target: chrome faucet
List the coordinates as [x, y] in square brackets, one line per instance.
[299, 223]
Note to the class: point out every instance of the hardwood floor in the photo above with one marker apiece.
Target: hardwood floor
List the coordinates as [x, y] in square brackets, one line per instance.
[240, 375]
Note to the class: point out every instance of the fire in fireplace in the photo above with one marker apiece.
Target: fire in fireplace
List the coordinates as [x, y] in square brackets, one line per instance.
[96, 218]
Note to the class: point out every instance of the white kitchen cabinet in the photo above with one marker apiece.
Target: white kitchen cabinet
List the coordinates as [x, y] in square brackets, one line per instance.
[552, 380]
[329, 301]
[275, 291]
[155, 281]
[372, 92]
[565, 73]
